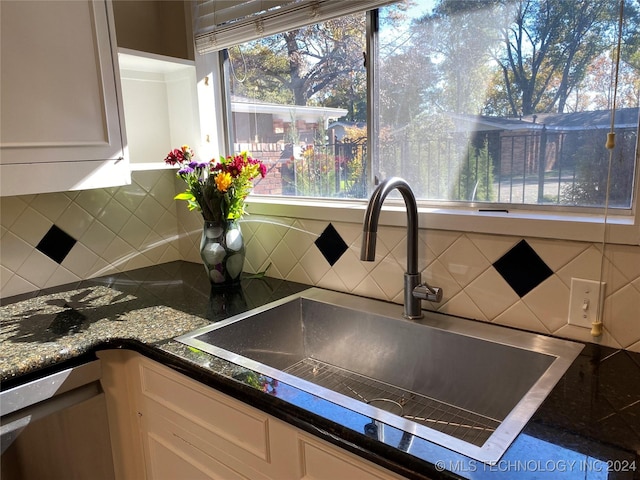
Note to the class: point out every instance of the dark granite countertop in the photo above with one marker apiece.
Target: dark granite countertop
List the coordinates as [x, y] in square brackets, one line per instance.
[588, 427]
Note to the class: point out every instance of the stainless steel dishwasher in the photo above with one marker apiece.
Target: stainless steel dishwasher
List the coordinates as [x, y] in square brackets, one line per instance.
[56, 427]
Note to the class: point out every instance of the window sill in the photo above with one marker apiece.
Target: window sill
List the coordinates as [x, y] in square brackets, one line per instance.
[586, 228]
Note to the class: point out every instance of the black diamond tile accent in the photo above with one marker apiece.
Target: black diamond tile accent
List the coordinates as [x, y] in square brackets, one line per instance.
[331, 244]
[522, 268]
[56, 244]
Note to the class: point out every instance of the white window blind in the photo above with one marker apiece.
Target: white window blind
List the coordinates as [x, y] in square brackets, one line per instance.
[222, 24]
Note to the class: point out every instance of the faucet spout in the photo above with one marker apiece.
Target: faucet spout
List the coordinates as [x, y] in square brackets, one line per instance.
[414, 290]
[370, 227]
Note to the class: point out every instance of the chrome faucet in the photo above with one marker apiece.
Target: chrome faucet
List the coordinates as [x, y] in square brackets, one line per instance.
[414, 290]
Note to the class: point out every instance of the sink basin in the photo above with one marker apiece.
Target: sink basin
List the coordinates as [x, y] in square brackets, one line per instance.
[465, 385]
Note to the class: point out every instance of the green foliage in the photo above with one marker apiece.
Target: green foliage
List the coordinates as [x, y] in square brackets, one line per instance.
[592, 170]
[291, 134]
[548, 46]
[257, 70]
[475, 177]
[457, 38]
[320, 65]
[320, 172]
[422, 151]
[315, 173]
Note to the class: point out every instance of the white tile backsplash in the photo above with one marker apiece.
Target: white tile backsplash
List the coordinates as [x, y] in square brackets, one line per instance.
[625, 258]
[462, 305]
[519, 316]
[297, 238]
[436, 274]
[61, 276]
[386, 274]
[31, 226]
[491, 293]
[80, 260]
[461, 263]
[492, 246]
[119, 229]
[556, 253]
[283, 258]
[440, 240]
[549, 302]
[314, 264]
[14, 251]
[256, 257]
[93, 201]
[626, 328]
[97, 237]
[37, 268]
[464, 261]
[74, 220]
[11, 209]
[350, 269]
[51, 206]
[585, 265]
[135, 231]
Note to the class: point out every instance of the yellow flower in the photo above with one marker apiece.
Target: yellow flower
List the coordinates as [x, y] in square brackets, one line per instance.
[187, 152]
[223, 180]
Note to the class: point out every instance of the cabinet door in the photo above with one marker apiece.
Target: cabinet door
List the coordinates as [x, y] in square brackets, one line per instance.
[188, 430]
[175, 452]
[322, 461]
[72, 443]
[60, 112]
[219, 436]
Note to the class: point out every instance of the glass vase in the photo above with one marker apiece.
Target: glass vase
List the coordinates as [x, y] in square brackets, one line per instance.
[222, 251]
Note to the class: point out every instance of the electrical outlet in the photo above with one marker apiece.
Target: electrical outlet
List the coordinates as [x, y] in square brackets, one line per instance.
[584, 302]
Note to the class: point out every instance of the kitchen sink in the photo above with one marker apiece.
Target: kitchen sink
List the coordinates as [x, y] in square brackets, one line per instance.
[466, 385]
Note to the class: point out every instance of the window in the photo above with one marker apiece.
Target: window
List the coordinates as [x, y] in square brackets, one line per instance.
[298, 102]
[503, 103]
[508, 102]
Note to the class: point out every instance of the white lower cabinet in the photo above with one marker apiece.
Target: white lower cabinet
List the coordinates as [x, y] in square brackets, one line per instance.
[187, 430]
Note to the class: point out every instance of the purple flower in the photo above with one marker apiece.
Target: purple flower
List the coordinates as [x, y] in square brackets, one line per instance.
[186, 170]
[201, 165]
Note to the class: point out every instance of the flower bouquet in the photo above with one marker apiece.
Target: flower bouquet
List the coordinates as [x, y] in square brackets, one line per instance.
[218, 189]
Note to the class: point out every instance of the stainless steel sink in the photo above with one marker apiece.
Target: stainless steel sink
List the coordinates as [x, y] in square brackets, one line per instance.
[465, 385]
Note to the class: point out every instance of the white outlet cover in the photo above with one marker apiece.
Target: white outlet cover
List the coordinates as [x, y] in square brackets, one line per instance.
[584, 302]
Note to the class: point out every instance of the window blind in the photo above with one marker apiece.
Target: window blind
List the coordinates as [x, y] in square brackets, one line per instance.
[222, 24]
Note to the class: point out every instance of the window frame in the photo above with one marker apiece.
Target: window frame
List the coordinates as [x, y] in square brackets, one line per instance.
[573, 224]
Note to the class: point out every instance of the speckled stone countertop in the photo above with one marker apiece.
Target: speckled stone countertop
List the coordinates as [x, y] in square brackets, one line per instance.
[145, 307]
[588, 427]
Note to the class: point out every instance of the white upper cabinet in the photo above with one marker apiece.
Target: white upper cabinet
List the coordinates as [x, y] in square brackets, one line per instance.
[61, 111]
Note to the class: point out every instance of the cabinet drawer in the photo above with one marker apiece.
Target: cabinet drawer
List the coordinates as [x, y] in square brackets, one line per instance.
[321, 460]
[239, 426]
[177, 453]
[184, 422]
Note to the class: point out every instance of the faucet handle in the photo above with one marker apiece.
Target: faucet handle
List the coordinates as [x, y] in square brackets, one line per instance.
[425, 292]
